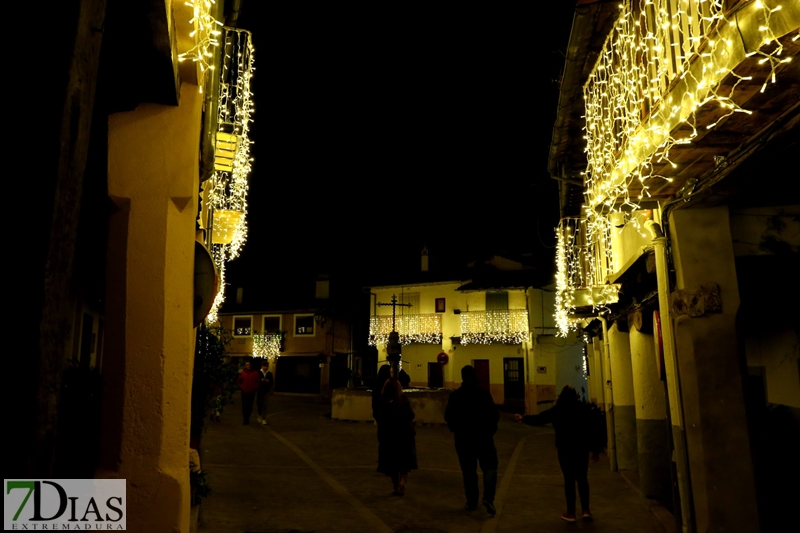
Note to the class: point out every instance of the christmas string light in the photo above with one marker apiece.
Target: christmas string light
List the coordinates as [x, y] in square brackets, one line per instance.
[267, 346]
[422, 328]
[502, 326]
[663, 61]
[226, 190]
[583, 259]
[205, 33]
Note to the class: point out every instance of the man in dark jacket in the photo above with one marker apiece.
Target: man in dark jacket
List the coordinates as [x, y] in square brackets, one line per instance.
[472, 416]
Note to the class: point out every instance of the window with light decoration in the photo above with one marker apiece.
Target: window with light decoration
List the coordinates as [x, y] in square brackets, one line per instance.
[304, 325]
[271, 325]
[242, 326]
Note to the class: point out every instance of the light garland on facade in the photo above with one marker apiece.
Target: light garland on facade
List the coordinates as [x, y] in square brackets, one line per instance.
[205, 33]
[267, 346]
[422, 328]
[583, 260]
[502, 326]
[226, 191]
[661, 63]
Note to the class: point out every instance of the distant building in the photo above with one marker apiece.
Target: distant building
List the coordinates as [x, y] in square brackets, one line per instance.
[306, 334]
[492, 315]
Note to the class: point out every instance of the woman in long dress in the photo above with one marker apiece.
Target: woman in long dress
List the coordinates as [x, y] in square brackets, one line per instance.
[397, 449]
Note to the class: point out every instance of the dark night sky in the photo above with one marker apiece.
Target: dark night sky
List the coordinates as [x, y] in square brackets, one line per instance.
[379, 130]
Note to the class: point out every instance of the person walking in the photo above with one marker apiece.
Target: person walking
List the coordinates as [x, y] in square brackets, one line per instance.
[397, 449]
[264, 389]
[248, 382]
[575, 439]
[377, 389]
[472, 416]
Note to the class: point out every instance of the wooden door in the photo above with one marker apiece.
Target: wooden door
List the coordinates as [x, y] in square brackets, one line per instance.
[482, 370]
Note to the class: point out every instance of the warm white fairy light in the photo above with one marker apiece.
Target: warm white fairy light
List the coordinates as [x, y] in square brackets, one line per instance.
[662, 62]
[267, 346]
[583, 261]
[206, 34]
[500, 326]
[422, 328]
[226, 190]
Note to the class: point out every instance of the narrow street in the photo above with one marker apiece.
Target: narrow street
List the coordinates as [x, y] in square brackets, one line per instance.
[307, 473]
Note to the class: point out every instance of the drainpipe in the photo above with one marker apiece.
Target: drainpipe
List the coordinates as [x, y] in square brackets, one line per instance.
[671, 368]
[608, 397]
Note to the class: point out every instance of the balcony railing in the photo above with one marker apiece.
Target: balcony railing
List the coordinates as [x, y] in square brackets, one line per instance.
[268, 346]
[509, 326]
[424, 328]
[663, 63]
[583, 261]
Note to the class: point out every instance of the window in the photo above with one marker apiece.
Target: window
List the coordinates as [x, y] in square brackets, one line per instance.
[304, 325]
[497, 301]
[242, 326]
[272, 325]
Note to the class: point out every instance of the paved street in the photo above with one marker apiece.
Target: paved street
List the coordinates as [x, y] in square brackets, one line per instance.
[307, 473]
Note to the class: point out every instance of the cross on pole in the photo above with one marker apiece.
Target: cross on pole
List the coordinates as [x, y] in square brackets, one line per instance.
[393, 346]
[394, 305]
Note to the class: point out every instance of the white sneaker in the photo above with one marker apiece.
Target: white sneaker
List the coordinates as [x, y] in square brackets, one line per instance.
[264, 422]
[259, 419]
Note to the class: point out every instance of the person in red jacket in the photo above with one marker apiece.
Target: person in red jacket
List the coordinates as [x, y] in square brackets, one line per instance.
[248, 383]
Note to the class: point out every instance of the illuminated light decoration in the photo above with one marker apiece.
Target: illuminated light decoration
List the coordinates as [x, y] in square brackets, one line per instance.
[583, 260]
[226, 223]
[422, 328]
[225, 192]
[501, 326]
[662, 62]
[206, 31]
[267, 346]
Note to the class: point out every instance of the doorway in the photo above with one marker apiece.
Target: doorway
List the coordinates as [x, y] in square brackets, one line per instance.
[482, 371]
[435, 376]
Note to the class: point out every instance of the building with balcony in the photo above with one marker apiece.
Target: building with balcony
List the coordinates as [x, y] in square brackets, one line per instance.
[493, 316]
[677, 123]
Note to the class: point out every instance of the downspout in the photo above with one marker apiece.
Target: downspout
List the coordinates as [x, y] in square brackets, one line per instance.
[608, 397]
[671, 368]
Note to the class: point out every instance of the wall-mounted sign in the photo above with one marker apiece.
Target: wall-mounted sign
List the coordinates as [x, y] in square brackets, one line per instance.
[541, 370]
[442, 358]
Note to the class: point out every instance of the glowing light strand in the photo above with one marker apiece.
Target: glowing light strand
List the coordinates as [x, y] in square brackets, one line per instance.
[422, 328]
[662, 62]
[205, 33]
[583, 260]
[268, 346]
[227, 190]
[498, 326]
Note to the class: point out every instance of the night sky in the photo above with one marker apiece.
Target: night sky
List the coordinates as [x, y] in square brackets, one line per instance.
[380, 131]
